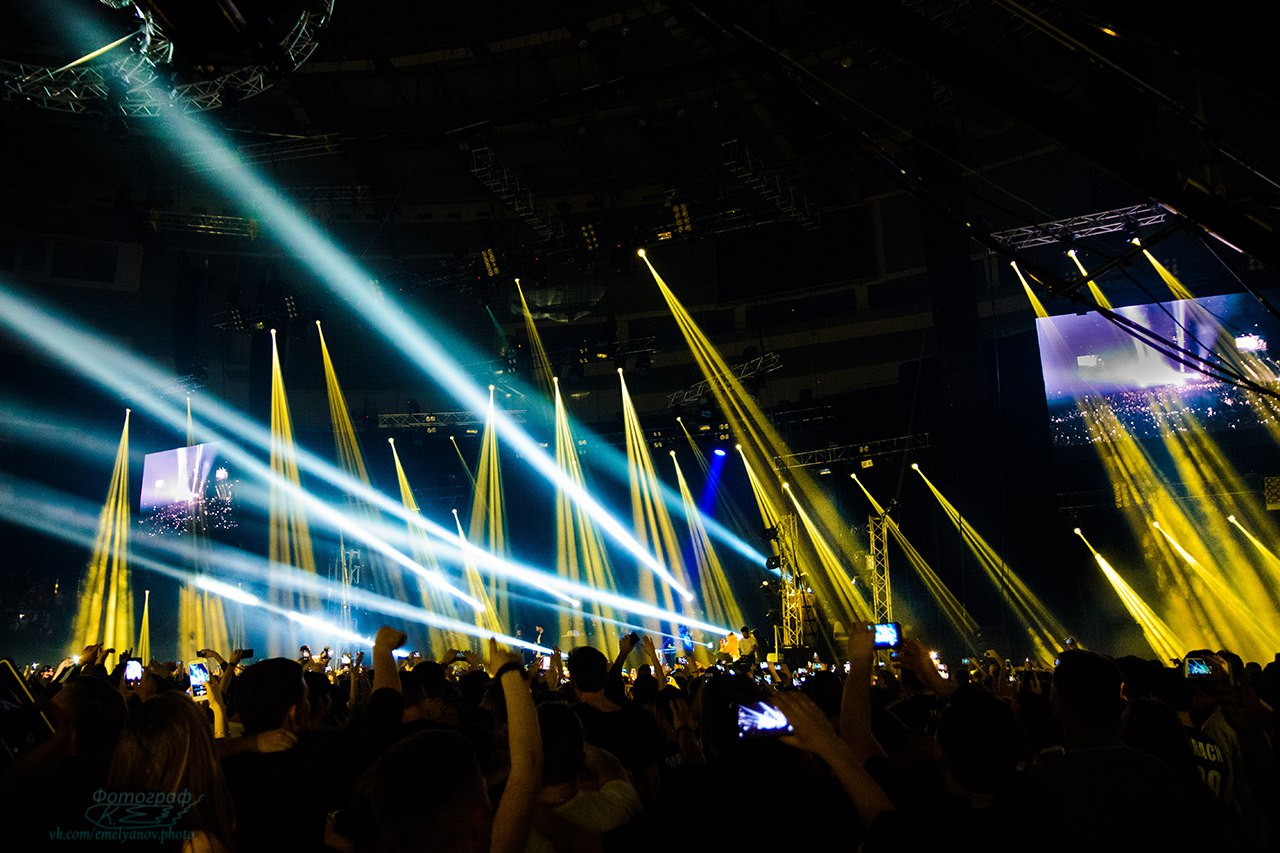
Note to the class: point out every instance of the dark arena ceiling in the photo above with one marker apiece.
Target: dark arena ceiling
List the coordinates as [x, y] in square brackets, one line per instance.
[803, 174]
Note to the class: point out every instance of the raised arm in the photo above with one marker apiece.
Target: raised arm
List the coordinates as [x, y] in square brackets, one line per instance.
[813, 733]
[855, 705]
[385, 674]
[514, 814]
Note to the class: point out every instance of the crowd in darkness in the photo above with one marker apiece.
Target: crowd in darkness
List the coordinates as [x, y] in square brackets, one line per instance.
[499, 753]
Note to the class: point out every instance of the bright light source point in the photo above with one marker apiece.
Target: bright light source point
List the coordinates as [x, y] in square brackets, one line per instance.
[1076, 531]
[640, 252]
[915, 467]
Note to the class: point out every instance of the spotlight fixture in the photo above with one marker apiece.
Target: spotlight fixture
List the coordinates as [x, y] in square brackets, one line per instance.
[773, 563]
[769, 534]
[719, 451]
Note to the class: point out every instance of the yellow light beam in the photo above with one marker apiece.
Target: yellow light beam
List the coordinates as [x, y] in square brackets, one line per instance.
[965, 626]
[1176, 287]
[1036, 305]
[581, 555]
[1043, 627]
[105, 611]
[1093, 286]
[1162, 639]
[465, 467]
[542, 370]
[289, 532]
[650, 517]
[1221, 591]
[718, 600]
[488, 526]
[144, 629]
[434, 599]
[760, 443]
[827, 556]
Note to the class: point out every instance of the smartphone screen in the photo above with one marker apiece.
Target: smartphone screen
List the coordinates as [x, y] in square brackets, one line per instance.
[1198, 668]
[758, 719]
[199, 674]
[888, 635]
[133, 670]
[545, 663]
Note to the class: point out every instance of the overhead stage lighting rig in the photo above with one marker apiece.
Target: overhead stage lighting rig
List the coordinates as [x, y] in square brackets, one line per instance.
[738, 160]
[863, 453]
[189, 55]
[697, 392]
[1066, 231]
[505, 184]
[433, 421]
[259, 316]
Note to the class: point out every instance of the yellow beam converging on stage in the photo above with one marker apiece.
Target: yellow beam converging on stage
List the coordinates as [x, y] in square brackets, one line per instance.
[760, 443]
[202, 622]
[1249, 630]
[1044, 630]
[1177, 288]
[542, 370]
[718, 600]
[144, 629]
[1271, 559]
[1036, 304]
[1093, 286]
[485, 616]
[827, 556]
[965, 626]
[381, 578]
[488, 528]
[580, 553]
[1163, 641]
[105, 611]
[432, 599]
[693, 446]
[289, 534]
[651, 520]
[471, 477]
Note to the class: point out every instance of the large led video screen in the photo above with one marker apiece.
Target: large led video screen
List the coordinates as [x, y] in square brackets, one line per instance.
[1087, 357]
[186, 489]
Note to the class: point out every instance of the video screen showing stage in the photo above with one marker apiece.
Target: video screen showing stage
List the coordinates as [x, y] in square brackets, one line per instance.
[1085, 356]
[187, 489]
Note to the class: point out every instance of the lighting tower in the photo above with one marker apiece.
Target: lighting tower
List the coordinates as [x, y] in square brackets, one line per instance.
[792, 628]
[878, 566]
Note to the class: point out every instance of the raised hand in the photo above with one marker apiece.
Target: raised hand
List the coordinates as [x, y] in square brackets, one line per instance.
[813, 731]
[389, 638]
[500, 657]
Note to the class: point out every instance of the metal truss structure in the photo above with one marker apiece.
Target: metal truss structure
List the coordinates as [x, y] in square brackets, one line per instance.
[212, 224]
[878, 566]
[792, 603]
[1089, 225]
[766, 363]
[505, 184]
[781, 193]
[861, 452]
[431, 421]
[133, 86]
